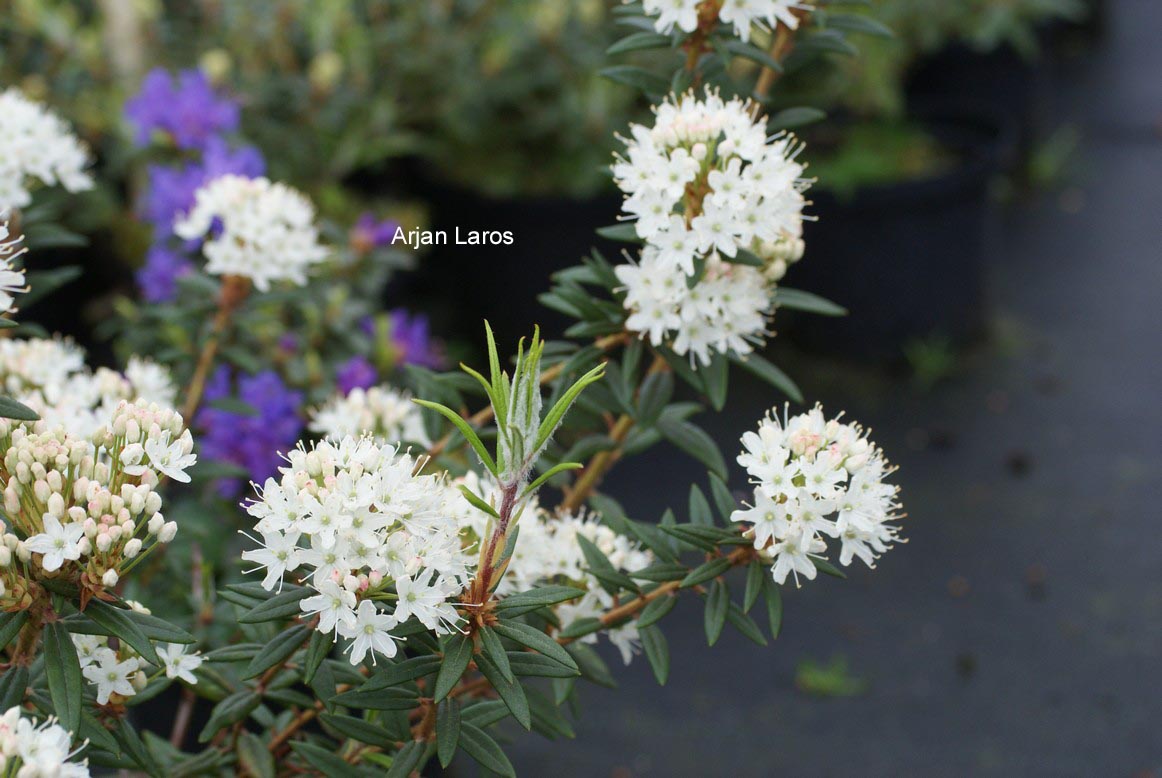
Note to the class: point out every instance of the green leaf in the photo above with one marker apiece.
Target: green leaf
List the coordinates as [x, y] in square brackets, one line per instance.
[774, 600]
[469, 434]
[360, 729]
[447, 730]
[656, 391]
[523, 602]
[510, 692]
[229, 711]
[159, 630]
[322, 759]
[13, 685]
[555, 415]
[657, 652]
[545, 476]
[724, 501]
[539, 665]
[254, 756]
[280, 607]
[754, 53]
[407, 759]
[478, 502]
[42, 283]
[10, 409]
[317, 650]
[625, 232]
[798, 300]
[592, 667]
[704, 572]
[278, 650]
[531, 637]
[612, 580]
[638, 78]
[393, 698]
[457, 654]
[638, 41]
[695, 442]
[396, 673]
[699, 508]
[760, 367]
[547, 717]
[715, 377]
[235, 406]
[858, 23]
[825, 567]
[656, 610]
[582, 627]
[754, 585]
[745, 624]
[714, 616]
[661, 572]
[7, 324]
[789, 118]
[482, 748]
[120, 624]
[490, 644]
[10, 624]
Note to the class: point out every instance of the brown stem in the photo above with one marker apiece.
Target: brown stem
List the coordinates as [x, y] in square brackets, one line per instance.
[182, 718]
[781, 45]
[233, 292]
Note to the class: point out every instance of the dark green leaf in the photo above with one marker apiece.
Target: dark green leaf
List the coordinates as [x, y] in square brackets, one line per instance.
[447, 730]
[490, 644]
[481, 747]
[63, 670]
[656, 610]
[10, 624]
[254, 756]
[625, 232]
[360, 729]
[699, 508]
[745, 624]
[704, 572]
[655, 393]
[230, 711]
[774, 600]
[772, 375]
[695, 442]
[790, 118]
[754, 585]
[638, 78]
[538, 641]
[280, 607]
[797, 299]
[638, 41]
[278, 650]
[322, 759]
[407, 759]
[523, 602]
[823, 566]
[317, 650]
[401, 672]
[510, 692]
[457, 654]
[10, 409]
[714, 616]
[13, 684]
[657, 652]
[723, 500]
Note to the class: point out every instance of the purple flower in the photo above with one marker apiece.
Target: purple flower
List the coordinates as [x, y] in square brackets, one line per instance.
[368, 234]
[171, 190]
[189, 111]
[412, 340]
[250, 441]
[157, 279]
[356, 373]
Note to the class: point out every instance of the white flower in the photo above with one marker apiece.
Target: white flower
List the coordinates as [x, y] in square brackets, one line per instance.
[112, 677]
[816, 478]
[707, 187]
[179, 664]
[369, 633]
[172, 459]
[151, 382]
[29, 750]
[267, 230]
[11, 277]
[425, 600]
[36, 146]
[279, 554]
[742, 14]
[382, 412]
[57, 543]
[334, 605]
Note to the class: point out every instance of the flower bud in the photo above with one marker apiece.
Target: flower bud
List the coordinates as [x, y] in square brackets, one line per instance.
[109, 579]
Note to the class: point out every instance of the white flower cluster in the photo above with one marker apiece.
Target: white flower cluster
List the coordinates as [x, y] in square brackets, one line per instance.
[11, 277]
[86, 510]
[50, 376]
[36, 145]
[816, 478]
[30, 750]
[389, 416]
[704, 183]
[369, 534]
[684, 14]
[547, 551]
[267, 230]
[118, 673]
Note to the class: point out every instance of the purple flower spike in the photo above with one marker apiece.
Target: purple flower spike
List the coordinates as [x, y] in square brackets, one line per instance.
[157, 279]
[252, 442]
[190, 111]
[368, 234]
[356, 373]
[413, 340]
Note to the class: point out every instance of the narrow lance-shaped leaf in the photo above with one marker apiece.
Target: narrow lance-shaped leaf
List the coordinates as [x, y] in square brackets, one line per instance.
[555, 415]
[469, 434]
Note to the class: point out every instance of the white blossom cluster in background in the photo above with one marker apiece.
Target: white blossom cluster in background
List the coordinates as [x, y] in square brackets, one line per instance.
[547, 552]
[88, 508]
[119, 673]
[258, 229]
[11, 276]
[702, 185]
[51, 377]
[36, 146]
[386, 414]
[816, 478]
[353, 520]
[31, 750]
[683, 14]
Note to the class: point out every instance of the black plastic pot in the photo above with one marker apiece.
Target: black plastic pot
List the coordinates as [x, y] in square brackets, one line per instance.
[906, 259]
[999, 83]
[460, 285]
